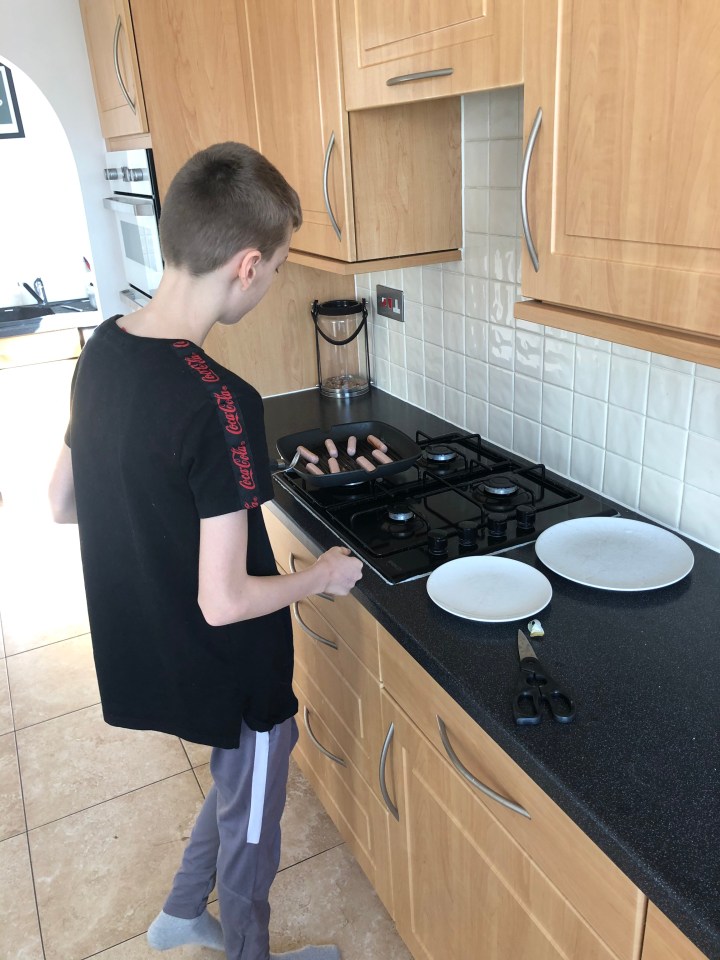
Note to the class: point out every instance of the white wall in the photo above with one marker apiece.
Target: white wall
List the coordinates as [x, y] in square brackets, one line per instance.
[642, 428]
[44, 38]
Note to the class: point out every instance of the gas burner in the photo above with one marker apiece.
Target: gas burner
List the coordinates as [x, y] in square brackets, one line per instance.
[400, 512]
[498, 487]
[439, 453]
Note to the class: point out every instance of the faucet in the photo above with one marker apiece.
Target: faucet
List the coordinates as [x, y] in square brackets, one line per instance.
[40, 290]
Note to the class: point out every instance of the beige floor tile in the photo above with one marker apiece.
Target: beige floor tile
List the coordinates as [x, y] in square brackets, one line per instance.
[52, 680]
[12, 817]
[198, 753]
[19, 930]
[101, 875]
[2, 642]
[77, 760]
[6, 717]
[307, 830]
[204, 778]
[329, 900]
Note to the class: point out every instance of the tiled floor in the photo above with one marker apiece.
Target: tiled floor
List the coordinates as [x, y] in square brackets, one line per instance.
[93, 819]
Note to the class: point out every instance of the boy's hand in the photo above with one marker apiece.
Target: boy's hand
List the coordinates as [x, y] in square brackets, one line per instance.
[342, 571]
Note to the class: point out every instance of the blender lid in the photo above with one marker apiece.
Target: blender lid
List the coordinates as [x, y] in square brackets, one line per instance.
[338, 308]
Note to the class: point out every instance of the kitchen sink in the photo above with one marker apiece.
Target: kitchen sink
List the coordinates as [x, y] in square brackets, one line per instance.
[36, 311]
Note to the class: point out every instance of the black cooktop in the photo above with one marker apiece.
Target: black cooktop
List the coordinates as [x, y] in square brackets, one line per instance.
[462, 498]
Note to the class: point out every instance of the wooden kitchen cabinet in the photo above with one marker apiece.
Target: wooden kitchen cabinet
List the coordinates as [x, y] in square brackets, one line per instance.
[663, 940]
[190, 55]
[464, 45]
[505, 885]
[336, 680]
[374, 185]
[113, 61]
[622, 192]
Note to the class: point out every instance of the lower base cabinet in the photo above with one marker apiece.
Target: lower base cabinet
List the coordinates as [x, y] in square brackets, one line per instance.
[464, 888]
[404, 774]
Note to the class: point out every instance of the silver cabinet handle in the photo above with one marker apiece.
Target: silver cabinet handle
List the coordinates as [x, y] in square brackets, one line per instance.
[116, 61]
[293, 569]
[381, 773]
[331, 144]
[321, 748]
[309, 631]
[454, 759]
[423, 75]
[527, 157]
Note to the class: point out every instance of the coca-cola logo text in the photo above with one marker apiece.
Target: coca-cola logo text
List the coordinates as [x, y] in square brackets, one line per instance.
[244, 466]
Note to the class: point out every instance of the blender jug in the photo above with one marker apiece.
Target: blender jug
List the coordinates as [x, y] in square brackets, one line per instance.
[341, 343]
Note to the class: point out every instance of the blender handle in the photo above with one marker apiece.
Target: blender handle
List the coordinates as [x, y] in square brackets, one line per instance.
[338, 343]
[333, 221]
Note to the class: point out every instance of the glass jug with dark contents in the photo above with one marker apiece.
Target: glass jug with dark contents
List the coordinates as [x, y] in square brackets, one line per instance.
[341, 343]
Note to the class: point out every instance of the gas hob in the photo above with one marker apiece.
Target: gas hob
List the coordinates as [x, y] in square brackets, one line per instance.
[461, 498]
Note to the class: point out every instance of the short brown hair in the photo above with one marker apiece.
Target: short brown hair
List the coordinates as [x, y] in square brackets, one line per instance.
[225, 199]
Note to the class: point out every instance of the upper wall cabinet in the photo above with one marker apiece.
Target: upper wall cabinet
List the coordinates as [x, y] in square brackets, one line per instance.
[373, 185]
[395, 51]
[111, 46]
[622, 131]
[189, 57]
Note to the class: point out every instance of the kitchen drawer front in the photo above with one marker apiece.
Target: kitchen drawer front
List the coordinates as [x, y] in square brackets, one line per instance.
[351, 620]
[597, 889]
[39, 348]
[351, 694]
[343, 792]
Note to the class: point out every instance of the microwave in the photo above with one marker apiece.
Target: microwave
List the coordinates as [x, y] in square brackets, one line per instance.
[133, 202]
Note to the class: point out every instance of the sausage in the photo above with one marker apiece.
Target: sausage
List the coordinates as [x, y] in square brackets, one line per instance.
[331, 448]
[334, 465]
[381, 457]
[351, 446]
[308, 455]
[378, 444]
[316, 471]
[365, 464]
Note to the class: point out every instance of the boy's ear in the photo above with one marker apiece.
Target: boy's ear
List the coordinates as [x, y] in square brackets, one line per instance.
[246, 267]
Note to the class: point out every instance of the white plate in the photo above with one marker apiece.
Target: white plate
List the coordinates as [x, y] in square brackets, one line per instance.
[489, 589]
[612, 553]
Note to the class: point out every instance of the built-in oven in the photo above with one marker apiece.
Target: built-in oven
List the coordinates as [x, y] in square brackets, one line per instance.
[134, 204]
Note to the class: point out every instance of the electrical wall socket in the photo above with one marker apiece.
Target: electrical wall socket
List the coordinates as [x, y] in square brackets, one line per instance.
[390, 303]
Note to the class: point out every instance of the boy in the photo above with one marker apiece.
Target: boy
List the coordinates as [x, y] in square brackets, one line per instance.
[164, 469]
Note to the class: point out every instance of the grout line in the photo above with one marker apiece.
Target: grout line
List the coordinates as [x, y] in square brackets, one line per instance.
[67, 713]
[311, 857]
[42, 646]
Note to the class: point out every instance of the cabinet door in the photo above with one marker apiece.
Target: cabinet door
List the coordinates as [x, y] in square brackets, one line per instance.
[663, 940]
[623, 198]
[191, 57]
[463, 45]
[294, 70]
[463, 887]
[353, 806]
[113, 61]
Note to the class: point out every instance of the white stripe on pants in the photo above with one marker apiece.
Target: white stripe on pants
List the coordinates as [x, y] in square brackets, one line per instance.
[236, 840]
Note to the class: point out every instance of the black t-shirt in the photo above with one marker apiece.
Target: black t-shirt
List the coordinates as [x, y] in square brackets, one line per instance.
[162, 436]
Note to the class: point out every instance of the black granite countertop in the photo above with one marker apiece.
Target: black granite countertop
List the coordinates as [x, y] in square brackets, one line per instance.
[639, 770]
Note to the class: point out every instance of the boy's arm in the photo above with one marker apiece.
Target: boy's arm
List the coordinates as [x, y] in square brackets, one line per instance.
[61, 491]
[227, 593]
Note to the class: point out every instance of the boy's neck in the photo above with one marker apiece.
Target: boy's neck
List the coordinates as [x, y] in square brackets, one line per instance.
[183, 308]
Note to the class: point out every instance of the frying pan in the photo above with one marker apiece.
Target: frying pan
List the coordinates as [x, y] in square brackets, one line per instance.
[401, 448]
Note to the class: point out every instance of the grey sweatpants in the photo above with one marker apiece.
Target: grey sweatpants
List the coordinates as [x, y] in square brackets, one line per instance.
[236, 840]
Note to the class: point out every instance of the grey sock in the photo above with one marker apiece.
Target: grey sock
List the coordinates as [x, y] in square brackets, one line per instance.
[309, 953]
[167, 931]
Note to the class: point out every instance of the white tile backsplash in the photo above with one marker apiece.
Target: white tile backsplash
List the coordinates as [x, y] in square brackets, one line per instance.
[640, 427]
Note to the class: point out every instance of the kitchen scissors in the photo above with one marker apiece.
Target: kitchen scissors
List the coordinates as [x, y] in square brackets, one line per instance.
[535, 685]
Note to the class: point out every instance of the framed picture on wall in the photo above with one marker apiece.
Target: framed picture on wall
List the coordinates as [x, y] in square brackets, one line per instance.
[10, 122]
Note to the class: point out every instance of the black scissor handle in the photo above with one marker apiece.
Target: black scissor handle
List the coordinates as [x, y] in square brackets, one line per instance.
[536, 685]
